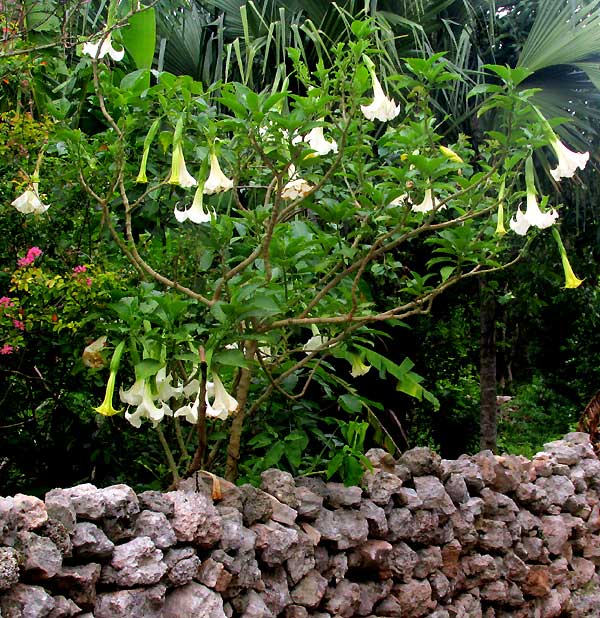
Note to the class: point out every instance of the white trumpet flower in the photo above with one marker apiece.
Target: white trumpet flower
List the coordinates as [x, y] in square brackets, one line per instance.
[568, 161]
[106, 47]
[147, 408]
[317, 142]
[179, 174]
[29, 201]
[216, 181]
[428, 203]
[296, 187]
[223, 403]
[196, 213]
[382, 108]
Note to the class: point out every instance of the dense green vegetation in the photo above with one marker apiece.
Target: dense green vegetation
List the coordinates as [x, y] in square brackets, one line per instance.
[238, 236]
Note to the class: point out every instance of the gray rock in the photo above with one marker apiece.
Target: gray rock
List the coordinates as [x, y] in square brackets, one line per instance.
[135, 563]
[195, 519]
[343, 598]
[408, 497]
[251, 605]
[421, 461]
[30, 512]
[274, 542]
[58, 534]
[414, 598]
[234, 535]
[309, 503]
[380, 486]
[281, 485]
[370, 593]
[562, 452]
[467, 469]
[157, 527]
[493, 535]
[156, 501]
[78, 583]
[89, 541]
[86, 499]
[64, 608]
[558, 488]
[276, 595]
[193, 600]
[60, 508]
[338, 495]
[376, 519]
[310, 590]
[282, 513]
[182, 566]
[119, 501]
[256, 505]
[347, 528]
[9, 568]
[8, 521]
[432, 494]
[214, 575]
[401, 526]
[429, 560]
[23, 601]
[402, 561]
[302, 559]
[136, 603]
[40, 556]
[456, 488]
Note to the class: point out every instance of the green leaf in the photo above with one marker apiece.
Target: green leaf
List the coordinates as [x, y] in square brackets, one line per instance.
[139, 38]
[231, 358]
[146, 368]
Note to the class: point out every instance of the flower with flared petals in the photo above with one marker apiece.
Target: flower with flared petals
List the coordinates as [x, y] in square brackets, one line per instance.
[190, 410]
[428, 203]
[179, 174]
[5, 301]
[29, 201]
[358, 367]
[6, 349]
[147, 408]
[296, 187]
[317, 142]
[196, 212]
[568, 161]
[106, 407]
[216, 181]
[102, 47]
[164, 389]
[32, 254]
[381, 108]
[533, 216]
[571, 279]
[223, 403]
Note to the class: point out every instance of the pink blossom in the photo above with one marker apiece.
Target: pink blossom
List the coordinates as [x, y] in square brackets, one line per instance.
[80, 269]
[5, 301]
[6, 349]
[19, 324]
[29, 259]
[88, 281]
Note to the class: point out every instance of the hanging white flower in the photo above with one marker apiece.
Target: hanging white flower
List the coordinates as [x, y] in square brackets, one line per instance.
[196, 213]
[29, 201]
[317, 142]
[179, 174]
[568, 161]
[147, 408]
[216, 181]
[428, 203]
[105, 47]
[296, 187]
[382, 108]
[223, 403]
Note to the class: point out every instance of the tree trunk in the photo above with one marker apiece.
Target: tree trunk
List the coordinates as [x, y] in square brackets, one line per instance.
[487, 366]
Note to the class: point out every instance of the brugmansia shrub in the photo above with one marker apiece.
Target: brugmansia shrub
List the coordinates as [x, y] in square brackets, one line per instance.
[264, 221]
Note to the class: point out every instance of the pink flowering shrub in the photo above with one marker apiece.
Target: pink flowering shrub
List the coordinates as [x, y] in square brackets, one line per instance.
[30, 258]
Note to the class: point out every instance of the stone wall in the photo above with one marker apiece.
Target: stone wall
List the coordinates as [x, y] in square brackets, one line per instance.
[478, 537]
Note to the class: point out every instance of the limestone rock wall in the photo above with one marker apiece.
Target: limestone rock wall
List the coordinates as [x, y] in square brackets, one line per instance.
[479, 537]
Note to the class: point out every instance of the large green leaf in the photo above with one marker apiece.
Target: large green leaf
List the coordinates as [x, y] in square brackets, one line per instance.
[139, 38]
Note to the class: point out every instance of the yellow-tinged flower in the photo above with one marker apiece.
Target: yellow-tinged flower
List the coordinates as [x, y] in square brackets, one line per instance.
[100, 48]
[106, 407]
[571, 279]
[450, 154]
[179, 174]
[500, 229]
[382, 108]
[141, 177]
[568, 161]
[29, 201]
[196, 213]
[216, 181]
[358, 367]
